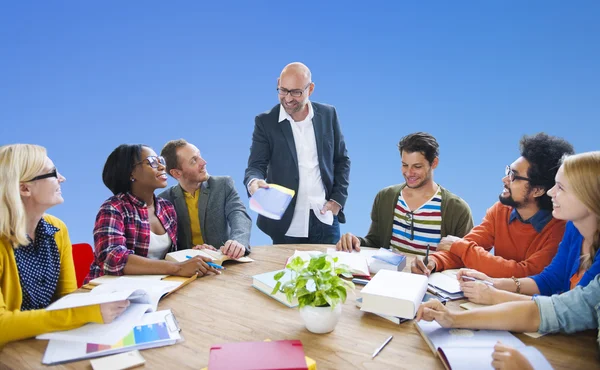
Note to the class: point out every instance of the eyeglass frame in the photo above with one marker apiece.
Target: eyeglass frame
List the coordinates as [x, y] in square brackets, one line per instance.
[292, 92]
[54, 173]
[511, 175]
[159, 159]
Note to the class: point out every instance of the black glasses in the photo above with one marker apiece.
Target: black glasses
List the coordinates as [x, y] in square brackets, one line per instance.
[295, 93]
[511, 175]
[411, 217]
[54, 173]
[154, 161]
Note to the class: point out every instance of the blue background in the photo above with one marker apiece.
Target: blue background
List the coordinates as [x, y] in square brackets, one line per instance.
[81, 78]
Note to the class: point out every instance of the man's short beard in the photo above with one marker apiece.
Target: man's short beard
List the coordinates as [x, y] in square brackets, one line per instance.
[509, 201]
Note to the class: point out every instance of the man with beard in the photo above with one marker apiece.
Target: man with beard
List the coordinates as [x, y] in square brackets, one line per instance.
[417, 213]
[210, 213]
[299, 144]
[519, 227]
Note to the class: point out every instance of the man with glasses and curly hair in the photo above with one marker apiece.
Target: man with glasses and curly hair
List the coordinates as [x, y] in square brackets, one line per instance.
[299, 144]
[519, 227]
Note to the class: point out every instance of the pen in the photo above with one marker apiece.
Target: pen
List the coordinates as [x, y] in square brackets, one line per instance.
[470, 278]
[209, 263]
[426, 260]
[215, 266]
[381, 346]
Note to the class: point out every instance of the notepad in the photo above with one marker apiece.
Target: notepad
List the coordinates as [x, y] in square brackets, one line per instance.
[468, 349]
[279, 354]
[216, 256]
[394, 293]
[444, 282]
[154, 329]
[271, 202]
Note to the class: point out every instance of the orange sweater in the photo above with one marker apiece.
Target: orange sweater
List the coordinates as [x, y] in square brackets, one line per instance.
[520, 251]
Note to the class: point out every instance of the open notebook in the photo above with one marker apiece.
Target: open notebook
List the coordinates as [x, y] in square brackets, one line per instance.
[468, 349]
[357, 263]
[216, 256]
[135, 290]
[142, 294]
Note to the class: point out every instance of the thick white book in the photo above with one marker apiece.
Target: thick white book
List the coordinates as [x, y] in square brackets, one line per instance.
[394, 293]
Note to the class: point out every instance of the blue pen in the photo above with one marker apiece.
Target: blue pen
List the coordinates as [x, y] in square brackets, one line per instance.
[214, 265]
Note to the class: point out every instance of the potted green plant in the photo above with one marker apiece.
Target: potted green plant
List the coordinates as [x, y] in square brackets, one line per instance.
[319, 289]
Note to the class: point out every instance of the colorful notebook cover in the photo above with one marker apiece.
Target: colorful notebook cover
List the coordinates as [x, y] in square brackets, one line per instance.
[271, 202]
[281, 355]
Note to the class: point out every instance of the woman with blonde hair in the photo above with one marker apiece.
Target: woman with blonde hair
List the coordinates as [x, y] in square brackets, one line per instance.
[36, 264]
[576, 199]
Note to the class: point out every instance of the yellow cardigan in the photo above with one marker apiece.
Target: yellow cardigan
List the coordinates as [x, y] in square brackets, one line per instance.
[16, 324]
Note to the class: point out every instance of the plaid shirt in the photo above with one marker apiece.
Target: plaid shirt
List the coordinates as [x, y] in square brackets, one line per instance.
[122, 227]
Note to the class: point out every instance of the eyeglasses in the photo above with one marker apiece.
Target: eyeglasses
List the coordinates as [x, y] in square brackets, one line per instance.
[154, 161]
[295, 93]
[54, 173]
[411, 217]
[511, 175]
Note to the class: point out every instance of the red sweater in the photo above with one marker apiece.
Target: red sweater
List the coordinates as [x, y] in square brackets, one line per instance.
[520, 251]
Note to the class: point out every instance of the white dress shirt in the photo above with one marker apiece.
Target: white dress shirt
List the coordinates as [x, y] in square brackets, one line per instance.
[311, 191]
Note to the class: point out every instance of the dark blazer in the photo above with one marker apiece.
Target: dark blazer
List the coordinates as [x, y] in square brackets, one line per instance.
[273, 157]
[220, 209]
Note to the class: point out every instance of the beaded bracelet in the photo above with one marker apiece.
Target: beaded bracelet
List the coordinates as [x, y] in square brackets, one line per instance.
[518, 284]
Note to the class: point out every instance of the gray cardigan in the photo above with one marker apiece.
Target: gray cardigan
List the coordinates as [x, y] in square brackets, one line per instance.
[456, 216]
[222, 214]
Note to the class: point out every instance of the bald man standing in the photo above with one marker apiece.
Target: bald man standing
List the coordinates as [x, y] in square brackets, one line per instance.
[299, 144]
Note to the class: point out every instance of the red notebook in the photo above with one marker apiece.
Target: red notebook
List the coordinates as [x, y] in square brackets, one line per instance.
[280, 355]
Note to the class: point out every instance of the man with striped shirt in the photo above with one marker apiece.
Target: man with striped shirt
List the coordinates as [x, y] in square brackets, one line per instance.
[407, 217]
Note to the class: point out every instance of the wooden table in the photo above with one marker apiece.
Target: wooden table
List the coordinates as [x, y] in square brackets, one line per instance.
[226, 308]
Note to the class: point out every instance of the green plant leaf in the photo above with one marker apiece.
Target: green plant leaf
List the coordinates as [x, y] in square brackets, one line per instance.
[276, 288]
[279, 275]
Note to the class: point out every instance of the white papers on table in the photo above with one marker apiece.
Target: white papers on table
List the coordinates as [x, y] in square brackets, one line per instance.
[103, 333]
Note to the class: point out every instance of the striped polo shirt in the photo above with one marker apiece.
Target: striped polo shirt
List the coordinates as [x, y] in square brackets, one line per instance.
[413, 230]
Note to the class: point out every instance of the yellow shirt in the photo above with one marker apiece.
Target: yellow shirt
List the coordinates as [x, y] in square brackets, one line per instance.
[17, 324]
[191, 201]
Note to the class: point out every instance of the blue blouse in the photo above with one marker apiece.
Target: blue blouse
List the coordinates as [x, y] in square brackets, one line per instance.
[39, 268]
[556, 277]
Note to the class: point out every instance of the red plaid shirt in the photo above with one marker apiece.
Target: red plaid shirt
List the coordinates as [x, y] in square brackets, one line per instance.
[122, 227]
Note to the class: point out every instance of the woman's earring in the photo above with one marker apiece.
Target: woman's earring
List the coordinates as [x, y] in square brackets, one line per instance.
[132, 179]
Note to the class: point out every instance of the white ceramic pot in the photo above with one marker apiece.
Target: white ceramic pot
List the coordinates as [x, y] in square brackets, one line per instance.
[320, 320]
